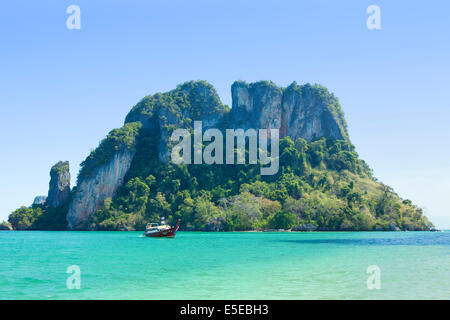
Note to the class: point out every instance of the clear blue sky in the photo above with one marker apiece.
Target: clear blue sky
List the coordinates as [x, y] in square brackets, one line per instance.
[62, 90]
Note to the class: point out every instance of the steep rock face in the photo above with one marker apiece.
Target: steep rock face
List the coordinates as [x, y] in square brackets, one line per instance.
[307, 111]
[311, 112]
[92, 190]
[39, 200]
[59, 186]
[256, 105]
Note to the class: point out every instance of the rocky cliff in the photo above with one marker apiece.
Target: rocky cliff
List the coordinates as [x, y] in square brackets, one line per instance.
[307, 111]
[39, 200]
[92, 191]
[59, 186]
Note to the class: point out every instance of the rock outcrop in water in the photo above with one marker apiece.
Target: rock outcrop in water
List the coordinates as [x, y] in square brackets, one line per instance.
[59, 186]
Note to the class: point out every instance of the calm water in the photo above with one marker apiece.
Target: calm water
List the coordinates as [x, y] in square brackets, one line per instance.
[196, 265]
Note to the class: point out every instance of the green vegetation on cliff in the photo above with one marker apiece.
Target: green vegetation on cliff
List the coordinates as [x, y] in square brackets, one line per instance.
[117, 139]
[323, 183]
[60, 167]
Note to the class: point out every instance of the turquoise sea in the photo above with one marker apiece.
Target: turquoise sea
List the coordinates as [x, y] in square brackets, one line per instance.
[235, 265]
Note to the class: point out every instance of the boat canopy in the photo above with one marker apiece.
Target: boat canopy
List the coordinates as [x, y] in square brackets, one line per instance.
[152, 225]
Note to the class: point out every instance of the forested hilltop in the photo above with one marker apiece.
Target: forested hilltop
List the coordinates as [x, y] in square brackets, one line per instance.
[321, 184]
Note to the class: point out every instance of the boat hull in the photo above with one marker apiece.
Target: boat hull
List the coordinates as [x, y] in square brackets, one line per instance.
[168, 233]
